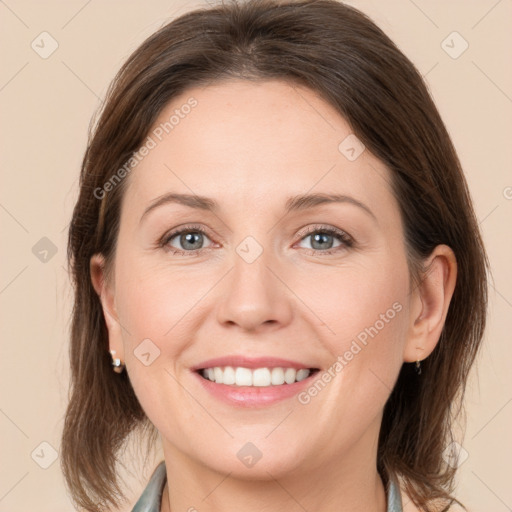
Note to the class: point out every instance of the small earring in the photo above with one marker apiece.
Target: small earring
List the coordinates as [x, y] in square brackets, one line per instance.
[118, 366]
[418, 367]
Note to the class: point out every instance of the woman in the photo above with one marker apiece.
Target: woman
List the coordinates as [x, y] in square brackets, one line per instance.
[232, 145]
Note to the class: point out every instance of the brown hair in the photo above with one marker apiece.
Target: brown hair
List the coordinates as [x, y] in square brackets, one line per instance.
[339, 53]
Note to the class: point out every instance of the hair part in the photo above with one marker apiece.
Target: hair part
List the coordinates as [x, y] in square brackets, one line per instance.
[340, 54]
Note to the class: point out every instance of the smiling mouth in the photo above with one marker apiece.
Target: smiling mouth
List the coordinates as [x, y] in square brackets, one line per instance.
[258, 377]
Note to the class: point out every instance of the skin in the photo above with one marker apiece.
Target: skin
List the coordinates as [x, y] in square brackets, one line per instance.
[249, 146]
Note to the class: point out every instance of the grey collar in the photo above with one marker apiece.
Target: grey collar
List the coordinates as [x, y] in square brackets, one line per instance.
[393, 496]
[150, 500]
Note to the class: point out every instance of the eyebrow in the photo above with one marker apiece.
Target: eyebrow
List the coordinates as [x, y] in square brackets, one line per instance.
[293, 204]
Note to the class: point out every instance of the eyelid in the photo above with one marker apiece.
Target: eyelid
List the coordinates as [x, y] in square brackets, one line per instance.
[346, 239]
[193, 228]
[313, 228]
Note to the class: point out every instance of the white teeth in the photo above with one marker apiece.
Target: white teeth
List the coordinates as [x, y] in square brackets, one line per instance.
[289, 375]
[260, 377]
[302, 374]
[277, 376]
[217, 373]
[243, 377]
[229, 376]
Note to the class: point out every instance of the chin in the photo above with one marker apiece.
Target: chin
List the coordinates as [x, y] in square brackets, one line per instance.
[255, 460]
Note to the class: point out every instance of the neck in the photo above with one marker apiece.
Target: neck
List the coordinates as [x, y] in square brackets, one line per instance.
[352, 484]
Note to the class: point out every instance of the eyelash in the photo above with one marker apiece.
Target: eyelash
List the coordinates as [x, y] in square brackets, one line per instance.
[347, 240]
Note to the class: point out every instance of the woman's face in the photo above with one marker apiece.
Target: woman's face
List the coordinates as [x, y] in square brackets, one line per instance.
[257, 280]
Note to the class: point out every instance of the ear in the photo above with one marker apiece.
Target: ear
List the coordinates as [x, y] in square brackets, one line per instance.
[105, 291]
[429, 303]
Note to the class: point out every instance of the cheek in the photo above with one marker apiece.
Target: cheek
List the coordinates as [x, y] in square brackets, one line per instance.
[162, 304]
[364, 310]
[140, 303]
[154, 304]
[157, 308]
[355, 301]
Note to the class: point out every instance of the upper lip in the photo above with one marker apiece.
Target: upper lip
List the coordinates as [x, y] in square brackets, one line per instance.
[251, 362]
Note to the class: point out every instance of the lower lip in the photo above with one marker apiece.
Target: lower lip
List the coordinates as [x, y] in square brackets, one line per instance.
[253, 396]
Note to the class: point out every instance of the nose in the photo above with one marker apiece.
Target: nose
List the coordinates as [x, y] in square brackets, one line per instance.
[254, 297]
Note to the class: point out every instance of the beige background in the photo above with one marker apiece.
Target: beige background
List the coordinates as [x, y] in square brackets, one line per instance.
[46, 105]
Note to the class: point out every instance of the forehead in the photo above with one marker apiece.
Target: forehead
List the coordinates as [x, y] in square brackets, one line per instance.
[242, 141]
